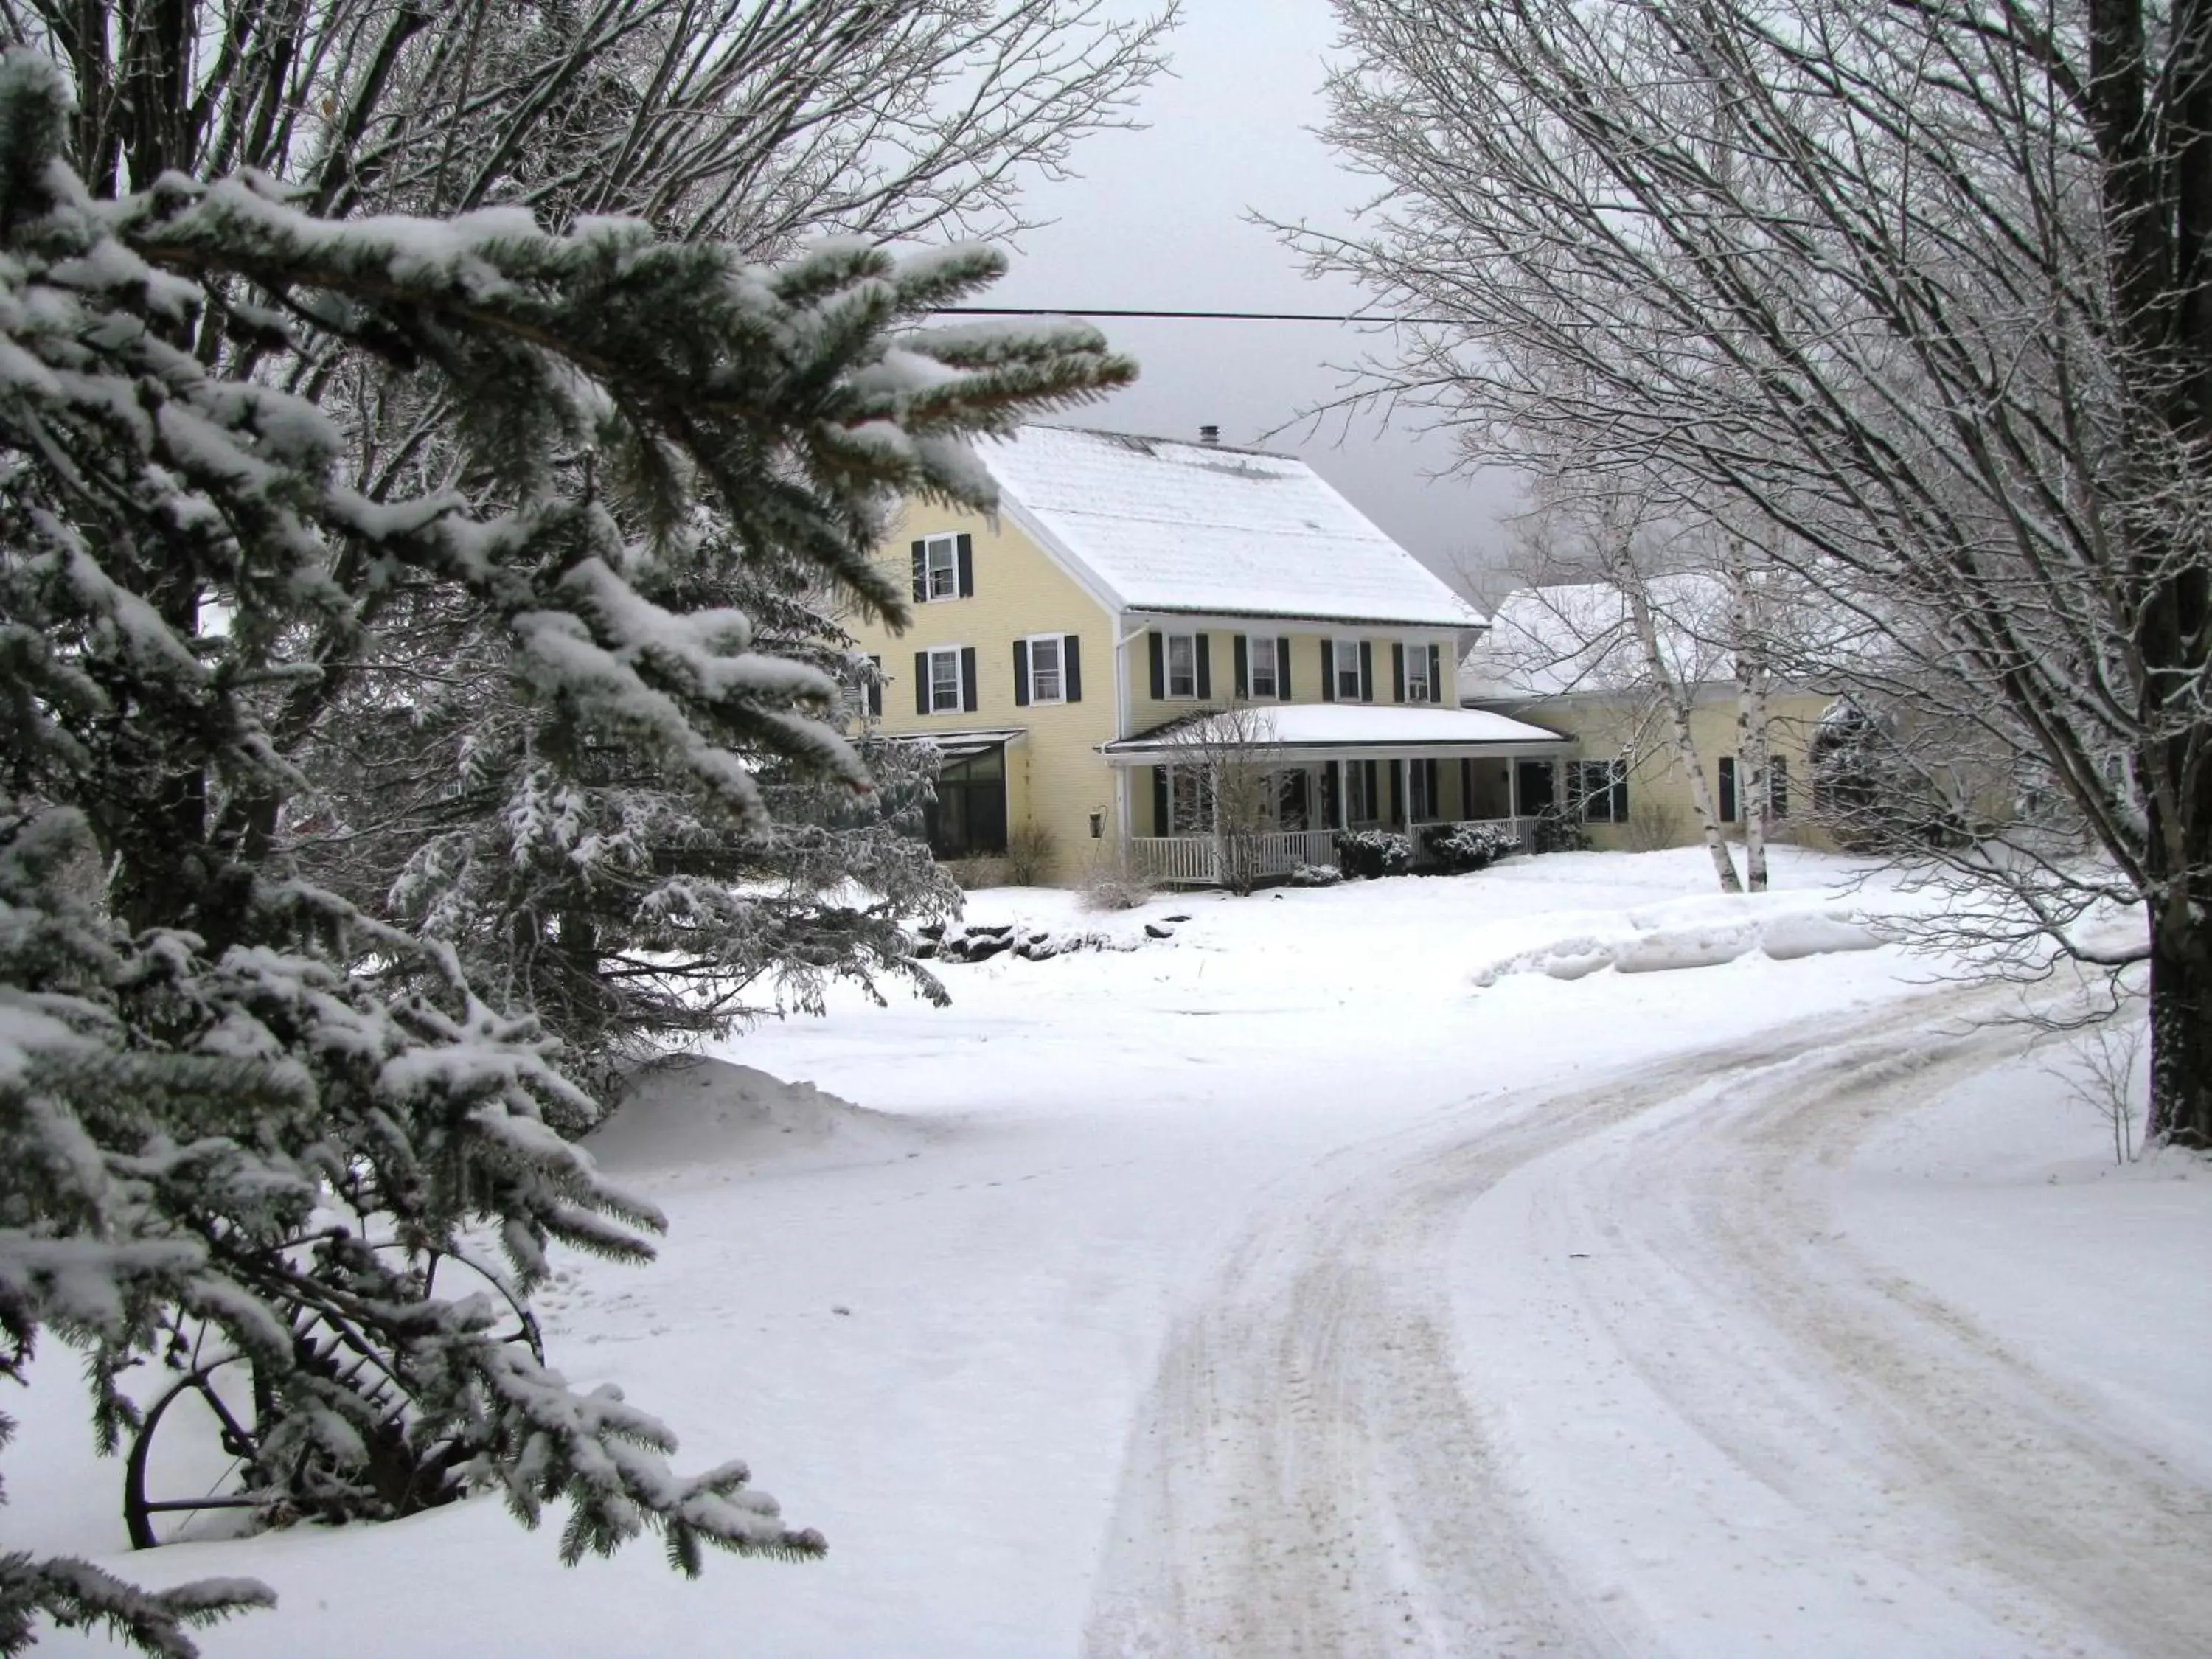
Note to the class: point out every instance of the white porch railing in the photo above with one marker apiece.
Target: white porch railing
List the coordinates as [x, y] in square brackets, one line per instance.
[1196, 859]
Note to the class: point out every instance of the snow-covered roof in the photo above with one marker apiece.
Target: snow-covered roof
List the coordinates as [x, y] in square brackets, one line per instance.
[1317, 726]
[1156, 525]
[1549, 641]
[1555, 641]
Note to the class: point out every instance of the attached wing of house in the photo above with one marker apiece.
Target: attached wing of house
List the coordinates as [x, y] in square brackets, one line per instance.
[1567, 657]
[1063, 648]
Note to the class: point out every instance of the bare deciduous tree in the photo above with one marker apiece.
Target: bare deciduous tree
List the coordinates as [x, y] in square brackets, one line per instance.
[1922, 287]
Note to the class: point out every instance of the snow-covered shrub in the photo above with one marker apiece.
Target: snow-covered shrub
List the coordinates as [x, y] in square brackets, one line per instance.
[1456, 849]
[1315, 875]
[977, 871]
[1556, 832]
[1115, 886]
[1364, 854]
[1032, 851]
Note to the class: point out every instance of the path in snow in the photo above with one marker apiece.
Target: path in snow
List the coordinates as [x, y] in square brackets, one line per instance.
[1333, 1462]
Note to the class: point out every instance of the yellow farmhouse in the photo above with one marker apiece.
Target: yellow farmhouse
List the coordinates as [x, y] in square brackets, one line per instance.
[1568, 657]
[1063, 648]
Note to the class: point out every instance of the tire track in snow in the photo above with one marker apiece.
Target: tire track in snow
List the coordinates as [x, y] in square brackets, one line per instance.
[1308, 1476]
[1905, 1429]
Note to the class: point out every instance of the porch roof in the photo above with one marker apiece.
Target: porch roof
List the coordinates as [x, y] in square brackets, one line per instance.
[1320, 730]
[958, 745]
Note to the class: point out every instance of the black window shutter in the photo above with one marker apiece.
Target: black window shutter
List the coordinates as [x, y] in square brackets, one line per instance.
[1367, 670]
[1727, 789]
[921, 682]
[1397, 670]
[1071, 668]
[1620, 791]
[876, 688]
[1243, 656]
[1021, 673]
[1158, 648]
[920, 572]
[1159, 796]
[967, 545]
[1436, 674]
[1200, 642]
[968, 678]
[1328, 671]
[1283, 668]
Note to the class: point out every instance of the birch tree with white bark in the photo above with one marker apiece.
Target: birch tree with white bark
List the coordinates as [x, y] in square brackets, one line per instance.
[1923, 290]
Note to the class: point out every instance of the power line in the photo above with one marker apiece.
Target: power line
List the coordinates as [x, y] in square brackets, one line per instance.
[1185, 316]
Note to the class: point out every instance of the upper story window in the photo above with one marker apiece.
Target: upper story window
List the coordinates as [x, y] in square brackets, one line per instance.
[945, 680]
[1182, 666]
[1420, 676]
[944, 567]
[1048, 668]
[1351, 684]
[1266, 679]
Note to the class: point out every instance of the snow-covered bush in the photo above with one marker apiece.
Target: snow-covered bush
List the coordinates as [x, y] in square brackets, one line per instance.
[1315, 875]
[1459, 848]
[1032, 853]
[1364, 854]
[232, 1104]
[1115, 886]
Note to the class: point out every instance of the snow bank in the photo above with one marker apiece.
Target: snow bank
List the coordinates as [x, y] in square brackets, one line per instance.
[695, 1112]
[1700, 933]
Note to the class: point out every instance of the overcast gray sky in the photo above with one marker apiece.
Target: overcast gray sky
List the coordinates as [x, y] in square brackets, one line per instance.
[1158, 222]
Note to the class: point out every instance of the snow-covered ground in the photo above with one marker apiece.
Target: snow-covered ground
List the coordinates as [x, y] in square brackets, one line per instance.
[1387, 1268]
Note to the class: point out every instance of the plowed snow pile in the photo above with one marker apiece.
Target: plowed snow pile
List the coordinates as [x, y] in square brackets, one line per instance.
[1698, 932]
[698, 1114]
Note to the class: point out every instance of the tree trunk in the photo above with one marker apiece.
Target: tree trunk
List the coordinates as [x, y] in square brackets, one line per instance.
[2180, 1029]
[1749, 646]
[1678, 715]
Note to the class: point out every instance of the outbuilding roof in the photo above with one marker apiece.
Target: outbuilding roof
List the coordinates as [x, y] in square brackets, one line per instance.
[1155, 525]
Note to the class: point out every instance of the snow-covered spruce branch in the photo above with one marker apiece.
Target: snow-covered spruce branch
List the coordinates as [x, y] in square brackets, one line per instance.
[231, 1097]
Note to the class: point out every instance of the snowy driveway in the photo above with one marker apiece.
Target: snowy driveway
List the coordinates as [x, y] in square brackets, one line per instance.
[1275, 1289]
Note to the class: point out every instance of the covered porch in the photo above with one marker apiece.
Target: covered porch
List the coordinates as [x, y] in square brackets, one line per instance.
[1273, 787]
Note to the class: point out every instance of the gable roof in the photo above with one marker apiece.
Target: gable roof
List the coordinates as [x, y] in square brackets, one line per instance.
[1155, 525]
[1556, 642]
[1553, 641]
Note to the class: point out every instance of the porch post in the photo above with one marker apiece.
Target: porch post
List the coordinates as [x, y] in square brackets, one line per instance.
[1513, 789]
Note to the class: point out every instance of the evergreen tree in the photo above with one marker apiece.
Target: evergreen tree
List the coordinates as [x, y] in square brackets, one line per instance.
[228, 1095]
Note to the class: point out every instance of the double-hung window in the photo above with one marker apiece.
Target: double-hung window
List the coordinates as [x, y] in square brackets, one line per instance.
[1420, 791]
[1419, 688]
[945, 696]
[1182, 665]
[1267, 680]
[942, 569]
[1602, 786]
[1351, 686]
[1358, 807]
[1045, 668]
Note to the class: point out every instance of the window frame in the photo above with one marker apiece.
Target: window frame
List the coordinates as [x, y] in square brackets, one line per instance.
[1600, 786]
[1351, 788]
[1417, 672]
[1168, 641]
[1253, 644]
[950, 543]
[1346, 653]
[1059, 644]
[959, 704]
[1422, 782]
